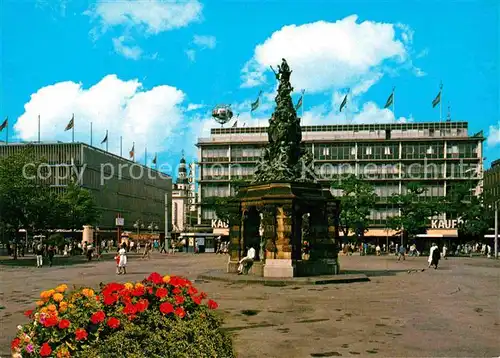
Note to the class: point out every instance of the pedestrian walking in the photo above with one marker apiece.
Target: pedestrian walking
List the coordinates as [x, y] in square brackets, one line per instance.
[434, 256]
[51, 251]
[39, 255]
[402, 253]
[122, 264]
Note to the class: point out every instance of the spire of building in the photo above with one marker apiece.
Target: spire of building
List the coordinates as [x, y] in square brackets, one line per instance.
[182, 175]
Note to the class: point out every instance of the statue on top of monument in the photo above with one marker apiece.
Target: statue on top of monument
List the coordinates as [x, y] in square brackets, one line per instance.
[284, 157]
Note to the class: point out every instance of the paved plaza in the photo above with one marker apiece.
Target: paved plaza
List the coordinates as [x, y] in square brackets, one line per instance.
[403, 311]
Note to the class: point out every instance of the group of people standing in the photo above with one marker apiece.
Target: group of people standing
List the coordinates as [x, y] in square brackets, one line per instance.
[41, 251]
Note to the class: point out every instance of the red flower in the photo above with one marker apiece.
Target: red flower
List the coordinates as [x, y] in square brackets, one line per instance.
[203, 295]
[97, 317]
[129, 309]
[212, 304]
[45, 350]
[196, 299]
[113, 287]
[150, 290]
[50, 321]
[192, 291]
[113, 322]
[15, 343]
[179, 300]
[28, 313]
[138, 291]
[166, 308]
[161, 292]
[110, 299]
[81, 334]
[142, 305]
[177, 291]
[64, 323]
[155, 277]
[179, 311]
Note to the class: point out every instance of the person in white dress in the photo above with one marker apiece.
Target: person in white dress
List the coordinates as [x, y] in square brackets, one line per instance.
[433, 258]
[122, 264]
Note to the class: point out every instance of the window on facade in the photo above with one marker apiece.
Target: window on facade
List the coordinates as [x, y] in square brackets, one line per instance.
[387, 151]
[326, 151]
[368, 150]
[430, 150]
[175, 214]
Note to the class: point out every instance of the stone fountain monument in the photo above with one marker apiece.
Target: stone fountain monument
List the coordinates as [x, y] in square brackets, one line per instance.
[291, 221]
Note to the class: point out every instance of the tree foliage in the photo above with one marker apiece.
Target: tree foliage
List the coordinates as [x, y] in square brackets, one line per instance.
[27, 201]
[415, 212]
[79, 206]
[357, 199]
[470, 209]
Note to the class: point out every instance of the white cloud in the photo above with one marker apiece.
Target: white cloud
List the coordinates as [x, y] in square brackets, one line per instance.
[132, 52]
[194, 107]
[325, 55]
[494, 136]
[141, 17]
[191, 54]
[153, 16]
[205, 41]
[153, 117]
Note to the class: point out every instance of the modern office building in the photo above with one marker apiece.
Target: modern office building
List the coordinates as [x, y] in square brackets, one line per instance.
[492, 183]
[437, 155]
[139, 195]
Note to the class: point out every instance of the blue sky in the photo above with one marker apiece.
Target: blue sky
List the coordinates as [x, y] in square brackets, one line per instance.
[151, 71]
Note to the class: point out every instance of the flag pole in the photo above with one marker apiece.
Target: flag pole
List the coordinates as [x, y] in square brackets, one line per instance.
[107, 140]
[146, 156]
[133, 153]
[156, 160]
[90, 133]
[38, 128]
[441, 102]
[7, 132]
[121, 146]
[303, 95]
[394, 102]
[73, 130]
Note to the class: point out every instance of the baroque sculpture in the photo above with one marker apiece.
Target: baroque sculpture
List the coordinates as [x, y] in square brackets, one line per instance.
[285, 157]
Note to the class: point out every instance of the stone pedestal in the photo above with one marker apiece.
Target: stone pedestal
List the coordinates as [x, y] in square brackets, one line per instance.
[282, 207]
[279, 268]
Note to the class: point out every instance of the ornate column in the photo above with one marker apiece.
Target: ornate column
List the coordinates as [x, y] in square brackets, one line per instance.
[235, 232]
[284, 232]
[280, 263]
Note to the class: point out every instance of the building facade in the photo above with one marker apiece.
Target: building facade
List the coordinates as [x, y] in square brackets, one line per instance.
[183, 198]
[437, 155]
[492, 183]
[139, 195]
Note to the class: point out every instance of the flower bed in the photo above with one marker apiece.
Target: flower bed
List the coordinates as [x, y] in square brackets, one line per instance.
[158, 317]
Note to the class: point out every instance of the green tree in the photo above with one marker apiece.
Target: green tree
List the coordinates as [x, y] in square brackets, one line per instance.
[221, 204]
[25, 200]
[79, 207]
[415, 212]
[357, 199]
[473, 216]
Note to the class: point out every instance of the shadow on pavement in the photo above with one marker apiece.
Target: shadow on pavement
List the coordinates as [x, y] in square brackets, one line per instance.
[373, 273]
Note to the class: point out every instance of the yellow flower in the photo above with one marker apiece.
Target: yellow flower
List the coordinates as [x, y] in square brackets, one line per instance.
[39, 303]
[71, 305]
[139, 285]
[58, 297]
[88, 292]
[47, 294]
[61, 288]
[52, 307]
[166, 278]
[63, 306]
[129, 286]
[44, 310]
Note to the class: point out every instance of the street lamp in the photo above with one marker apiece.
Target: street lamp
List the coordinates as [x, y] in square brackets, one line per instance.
[496, 228]
[137, 226]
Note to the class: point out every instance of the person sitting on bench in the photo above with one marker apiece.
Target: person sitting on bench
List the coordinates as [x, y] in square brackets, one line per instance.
[247, 261]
